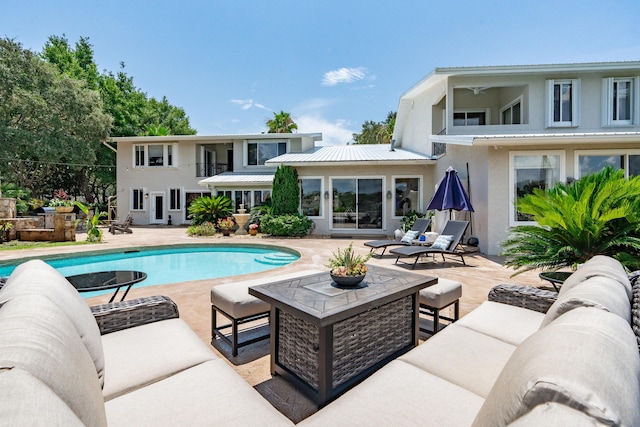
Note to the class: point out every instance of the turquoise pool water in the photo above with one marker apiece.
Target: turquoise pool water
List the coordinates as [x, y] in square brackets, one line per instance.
[175, 264]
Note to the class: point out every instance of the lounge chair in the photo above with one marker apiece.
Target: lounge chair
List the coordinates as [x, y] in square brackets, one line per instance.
[122, 227]
[455, 229]
[419, 226]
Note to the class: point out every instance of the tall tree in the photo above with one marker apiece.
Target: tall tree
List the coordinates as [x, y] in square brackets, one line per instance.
[48, 121]
[376, 132]
[281, 123]
[285, 195]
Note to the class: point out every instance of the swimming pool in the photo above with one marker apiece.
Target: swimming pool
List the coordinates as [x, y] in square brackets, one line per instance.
[180, 263]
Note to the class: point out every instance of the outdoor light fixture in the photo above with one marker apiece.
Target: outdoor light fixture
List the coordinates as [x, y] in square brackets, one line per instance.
[389, 194]
[146, 195]
[326, 194]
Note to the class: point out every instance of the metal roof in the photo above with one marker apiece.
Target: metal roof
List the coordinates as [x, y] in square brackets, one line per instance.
[537, 138]
[354, 154]
[238, 178]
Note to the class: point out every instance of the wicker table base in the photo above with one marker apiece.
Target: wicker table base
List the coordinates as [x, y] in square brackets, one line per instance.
[326, 339]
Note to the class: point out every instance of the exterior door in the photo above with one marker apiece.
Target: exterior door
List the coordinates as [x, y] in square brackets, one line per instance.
[357, 203]
[157, 208]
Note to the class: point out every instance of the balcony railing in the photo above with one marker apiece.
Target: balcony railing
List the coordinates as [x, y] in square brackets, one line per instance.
[204, 170]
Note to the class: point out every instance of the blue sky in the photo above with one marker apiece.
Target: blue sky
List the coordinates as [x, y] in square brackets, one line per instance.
[331, 64]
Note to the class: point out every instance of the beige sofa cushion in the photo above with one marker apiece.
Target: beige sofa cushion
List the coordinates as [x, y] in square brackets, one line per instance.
[400, 394]
[599, 265]
[26, 401]
[597, 291]
[463, 357]
[138, 356]
[555, 414]
[209, 394]
[587, 359]
[38, 278]
[504, 322]
[36, 336]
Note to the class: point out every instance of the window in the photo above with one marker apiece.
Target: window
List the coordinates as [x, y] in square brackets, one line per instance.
[174, 199]
[154, 155]
[357, 203]
[563, 101]
[311, 196]
[137, 199]
[512, 113]
[469, 118]
[594, 161]
[620, 97]
[260, 152]
[406, 195]
[139, 155]
[529, 170]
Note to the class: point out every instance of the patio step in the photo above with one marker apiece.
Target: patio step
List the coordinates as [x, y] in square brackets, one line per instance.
[275, 259]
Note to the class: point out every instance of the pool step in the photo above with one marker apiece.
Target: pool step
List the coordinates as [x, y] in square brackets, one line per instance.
[276, 259]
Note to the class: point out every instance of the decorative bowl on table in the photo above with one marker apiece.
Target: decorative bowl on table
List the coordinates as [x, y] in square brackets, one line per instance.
[347, 281]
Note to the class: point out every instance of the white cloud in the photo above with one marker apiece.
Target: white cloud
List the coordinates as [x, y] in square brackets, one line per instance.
[343, 75]
[245, 104]
[336, 133]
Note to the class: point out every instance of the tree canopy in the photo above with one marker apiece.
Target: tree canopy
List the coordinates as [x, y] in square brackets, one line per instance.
[376, 132]
[281, 123]
[56, 111]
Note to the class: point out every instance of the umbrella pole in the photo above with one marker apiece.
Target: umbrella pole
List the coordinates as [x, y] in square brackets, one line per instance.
[469, 193]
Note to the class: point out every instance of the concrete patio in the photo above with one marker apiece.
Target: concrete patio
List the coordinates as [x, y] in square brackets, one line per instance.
[193, 298]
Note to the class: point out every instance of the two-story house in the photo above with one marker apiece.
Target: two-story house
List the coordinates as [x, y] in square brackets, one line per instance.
[515, 128]
[159, 176]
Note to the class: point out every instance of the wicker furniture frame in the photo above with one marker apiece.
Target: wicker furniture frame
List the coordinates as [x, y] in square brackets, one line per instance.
[117, 316]
[326, 340]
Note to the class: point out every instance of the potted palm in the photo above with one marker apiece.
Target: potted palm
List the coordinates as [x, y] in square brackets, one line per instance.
[347, 268]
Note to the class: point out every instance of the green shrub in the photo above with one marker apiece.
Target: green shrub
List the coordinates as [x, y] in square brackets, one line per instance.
[596, 215]
[295, 225]
[285, 193]
[210, 209]
[410, 217]
[204, 229]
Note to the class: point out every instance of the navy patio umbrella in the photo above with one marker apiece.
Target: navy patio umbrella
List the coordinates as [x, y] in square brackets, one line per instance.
[450, 194]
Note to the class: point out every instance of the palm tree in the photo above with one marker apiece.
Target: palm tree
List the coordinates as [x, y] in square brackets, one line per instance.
[596, 215]
[281, 123]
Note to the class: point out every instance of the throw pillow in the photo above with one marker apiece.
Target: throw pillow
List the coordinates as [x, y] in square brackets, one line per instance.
[409, 236]
[442, 242]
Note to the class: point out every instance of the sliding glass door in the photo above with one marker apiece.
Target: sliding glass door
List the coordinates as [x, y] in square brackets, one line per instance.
[357, 203]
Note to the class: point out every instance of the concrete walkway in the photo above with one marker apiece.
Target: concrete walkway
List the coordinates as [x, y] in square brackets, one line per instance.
[252, 363]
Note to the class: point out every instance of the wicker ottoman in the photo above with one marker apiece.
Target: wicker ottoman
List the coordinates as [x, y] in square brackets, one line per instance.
[441, 295]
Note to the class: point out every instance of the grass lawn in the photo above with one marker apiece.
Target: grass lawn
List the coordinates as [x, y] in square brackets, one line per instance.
[17, 244]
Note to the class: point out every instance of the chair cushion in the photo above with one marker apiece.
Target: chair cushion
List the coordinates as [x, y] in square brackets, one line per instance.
[400, 394]
[598, 291]
[24, 400]
[209, 394]
[599, 265]
[409, 236]
[441, 294]
[36, 336]
[234, 299]
[587, 359]
[38, 278]
[442, 242]
[463, 357]
[504, 322]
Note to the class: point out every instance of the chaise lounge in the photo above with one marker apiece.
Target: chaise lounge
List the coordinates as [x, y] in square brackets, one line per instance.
[446, 244]
[419, 227]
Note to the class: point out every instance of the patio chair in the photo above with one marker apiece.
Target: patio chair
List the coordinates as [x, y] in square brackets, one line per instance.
[418, 227]
[452, 233]
[122, 227]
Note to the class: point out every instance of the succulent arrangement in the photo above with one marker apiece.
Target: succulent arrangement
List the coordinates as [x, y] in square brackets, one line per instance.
[347, 263]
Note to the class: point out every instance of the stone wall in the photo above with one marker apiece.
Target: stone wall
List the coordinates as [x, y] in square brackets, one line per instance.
[7, 207]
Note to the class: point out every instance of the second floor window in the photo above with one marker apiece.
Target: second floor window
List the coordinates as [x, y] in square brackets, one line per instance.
[469, 118]
[563, 101]
[512, 113]
[154, 155]
[260, 152]
[620, 99]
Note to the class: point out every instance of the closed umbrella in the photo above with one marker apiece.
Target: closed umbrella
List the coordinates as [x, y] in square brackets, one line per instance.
[450, 194]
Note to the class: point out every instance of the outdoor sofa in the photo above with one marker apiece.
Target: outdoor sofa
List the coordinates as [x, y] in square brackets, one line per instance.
[526, 357]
